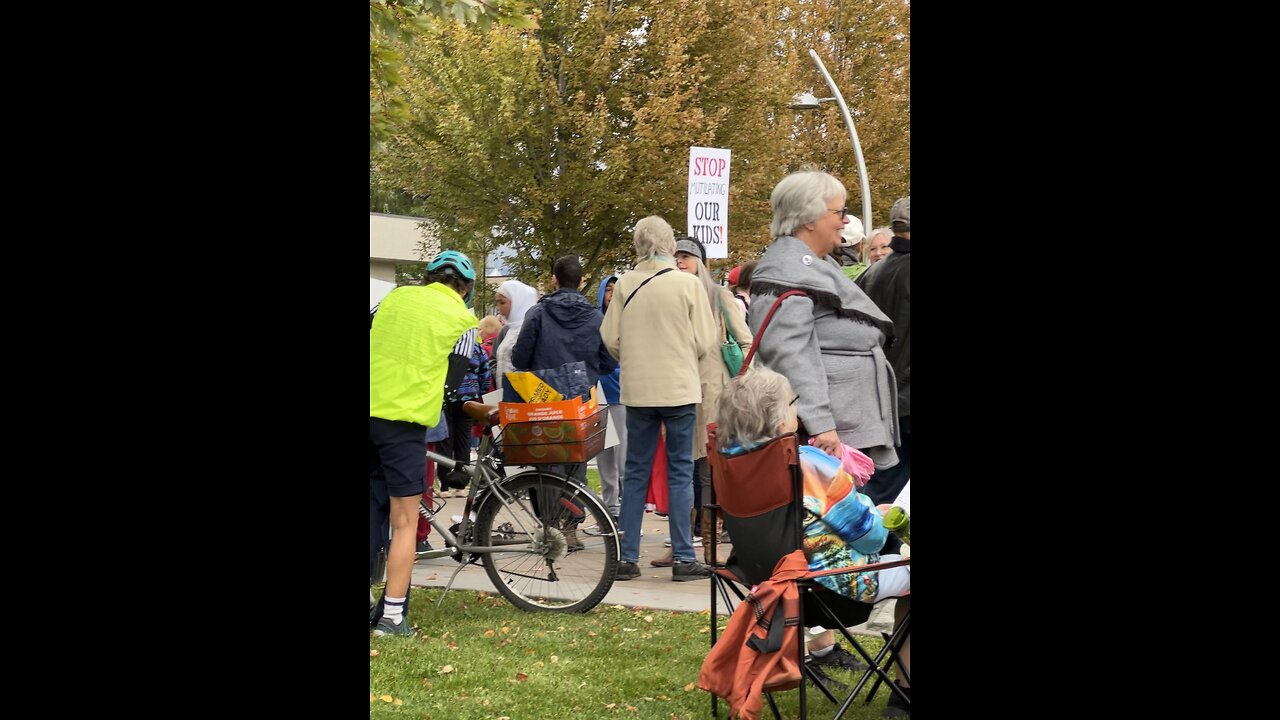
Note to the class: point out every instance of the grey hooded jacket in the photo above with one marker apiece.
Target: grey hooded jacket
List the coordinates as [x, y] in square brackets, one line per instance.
[830, 346]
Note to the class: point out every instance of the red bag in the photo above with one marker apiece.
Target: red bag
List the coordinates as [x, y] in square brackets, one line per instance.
[658, 476]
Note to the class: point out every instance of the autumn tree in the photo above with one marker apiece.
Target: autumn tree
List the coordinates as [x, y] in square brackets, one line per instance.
[866, 46]
[394, 23]
[556, 140]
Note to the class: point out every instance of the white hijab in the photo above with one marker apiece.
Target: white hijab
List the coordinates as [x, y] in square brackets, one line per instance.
[522, 298]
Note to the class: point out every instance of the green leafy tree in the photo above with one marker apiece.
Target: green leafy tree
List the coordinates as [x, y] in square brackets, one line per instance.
[396, 22]
[556, 141]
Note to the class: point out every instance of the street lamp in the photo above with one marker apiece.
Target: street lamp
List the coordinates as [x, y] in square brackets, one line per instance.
[807, 101]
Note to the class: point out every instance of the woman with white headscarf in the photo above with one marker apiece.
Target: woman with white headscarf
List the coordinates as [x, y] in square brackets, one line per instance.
[514, 300]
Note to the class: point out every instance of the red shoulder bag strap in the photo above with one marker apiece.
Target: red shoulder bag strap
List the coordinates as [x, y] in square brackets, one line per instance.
[764, 325]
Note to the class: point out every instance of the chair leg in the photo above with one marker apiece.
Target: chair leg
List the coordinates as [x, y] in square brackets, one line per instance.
[893, 643]
[714, 626]
[873, 664]
[774, 706]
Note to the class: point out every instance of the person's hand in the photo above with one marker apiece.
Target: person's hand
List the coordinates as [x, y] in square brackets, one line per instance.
[828, 442]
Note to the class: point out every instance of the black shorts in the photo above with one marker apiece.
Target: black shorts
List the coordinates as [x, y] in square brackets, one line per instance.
[848, 611]
[397, 457]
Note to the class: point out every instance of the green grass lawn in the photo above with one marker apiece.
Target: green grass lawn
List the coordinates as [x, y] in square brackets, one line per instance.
[479, 657]
[593, 479]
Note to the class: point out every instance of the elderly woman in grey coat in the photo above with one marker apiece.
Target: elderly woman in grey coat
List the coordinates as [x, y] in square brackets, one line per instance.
[829, 343]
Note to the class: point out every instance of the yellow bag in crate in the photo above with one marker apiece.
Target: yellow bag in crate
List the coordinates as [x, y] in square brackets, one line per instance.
[532, 388]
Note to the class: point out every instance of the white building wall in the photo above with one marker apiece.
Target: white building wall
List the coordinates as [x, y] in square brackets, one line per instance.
[394, 239]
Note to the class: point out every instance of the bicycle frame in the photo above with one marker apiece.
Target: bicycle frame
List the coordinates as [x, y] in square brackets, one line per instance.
[485, 486]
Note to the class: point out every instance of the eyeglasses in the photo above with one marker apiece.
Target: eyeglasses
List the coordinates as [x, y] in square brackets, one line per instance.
[841, 212]
[793, 400]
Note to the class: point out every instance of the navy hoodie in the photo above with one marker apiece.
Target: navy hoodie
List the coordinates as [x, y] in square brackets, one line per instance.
[562, 328]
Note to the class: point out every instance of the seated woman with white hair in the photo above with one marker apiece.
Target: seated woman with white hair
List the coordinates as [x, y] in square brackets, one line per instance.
[841, 526]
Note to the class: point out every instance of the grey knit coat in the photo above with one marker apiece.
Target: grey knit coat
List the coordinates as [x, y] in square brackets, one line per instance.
[830, 346]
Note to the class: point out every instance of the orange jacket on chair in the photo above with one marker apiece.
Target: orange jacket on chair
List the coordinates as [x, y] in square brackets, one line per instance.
[758, 651]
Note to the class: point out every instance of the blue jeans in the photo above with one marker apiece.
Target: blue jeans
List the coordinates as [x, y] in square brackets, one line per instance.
[642, 438]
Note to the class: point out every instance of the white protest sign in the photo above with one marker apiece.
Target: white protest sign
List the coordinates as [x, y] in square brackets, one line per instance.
[709, 199]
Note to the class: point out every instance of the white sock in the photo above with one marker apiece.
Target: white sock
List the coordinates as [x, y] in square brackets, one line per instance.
[823, 652]
[393, 609]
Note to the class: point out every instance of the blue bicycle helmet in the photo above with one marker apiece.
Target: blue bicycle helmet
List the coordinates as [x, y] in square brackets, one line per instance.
[453, 262]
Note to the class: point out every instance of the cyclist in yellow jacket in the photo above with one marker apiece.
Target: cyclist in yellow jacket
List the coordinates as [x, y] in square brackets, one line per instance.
[420, 340]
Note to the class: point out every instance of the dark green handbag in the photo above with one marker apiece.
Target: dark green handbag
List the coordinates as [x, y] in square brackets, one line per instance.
[730, 350]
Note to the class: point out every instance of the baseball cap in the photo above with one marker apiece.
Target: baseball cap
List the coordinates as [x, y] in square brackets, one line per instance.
[852, 234]
[691, 246]
[901, 211]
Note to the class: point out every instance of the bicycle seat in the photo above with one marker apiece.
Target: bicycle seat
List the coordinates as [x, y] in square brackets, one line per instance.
[481, 412]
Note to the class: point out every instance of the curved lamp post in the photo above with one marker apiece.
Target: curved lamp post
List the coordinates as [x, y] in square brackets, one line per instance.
[806, 101]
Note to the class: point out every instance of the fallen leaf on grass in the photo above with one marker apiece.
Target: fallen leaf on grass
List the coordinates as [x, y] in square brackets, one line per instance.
[445, 636]
[592, 633]
[453, 646]
[385, 698]
[489, 633]
[521, 677]
[617, 607]
[704, 630]
[690, 686]
[584, 684]
[555, 659]
[663, 697]
[632, 708]
[427, 683]
[505, 630]
[398, 701]
[445, 669]
[539, 664]
[628, 629]
[373, 653]
[648, 618]
[373, 697]
[610, 706]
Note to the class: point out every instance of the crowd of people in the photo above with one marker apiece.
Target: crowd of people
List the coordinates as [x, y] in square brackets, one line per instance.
[665, 342]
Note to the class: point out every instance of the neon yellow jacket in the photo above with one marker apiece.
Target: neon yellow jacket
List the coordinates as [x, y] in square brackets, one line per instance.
[412, 334]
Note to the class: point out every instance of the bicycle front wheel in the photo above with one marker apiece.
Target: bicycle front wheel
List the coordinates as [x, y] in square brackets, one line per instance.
[546, 561]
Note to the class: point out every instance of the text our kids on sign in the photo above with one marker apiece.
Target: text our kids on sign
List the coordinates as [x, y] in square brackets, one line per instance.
[709, 199]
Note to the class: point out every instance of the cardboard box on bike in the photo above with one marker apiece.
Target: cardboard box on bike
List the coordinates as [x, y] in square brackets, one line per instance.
[555, 441]
[571, 409]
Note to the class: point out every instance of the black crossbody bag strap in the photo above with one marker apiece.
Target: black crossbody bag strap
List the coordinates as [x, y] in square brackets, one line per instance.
[646, 282]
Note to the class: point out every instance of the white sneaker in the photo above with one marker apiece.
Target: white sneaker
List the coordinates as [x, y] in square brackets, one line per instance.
[697, 541]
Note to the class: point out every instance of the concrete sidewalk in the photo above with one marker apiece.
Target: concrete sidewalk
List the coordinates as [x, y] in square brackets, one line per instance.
[653, 589]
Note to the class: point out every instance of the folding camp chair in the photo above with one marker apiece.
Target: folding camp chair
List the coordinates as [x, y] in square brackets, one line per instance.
[759, 495]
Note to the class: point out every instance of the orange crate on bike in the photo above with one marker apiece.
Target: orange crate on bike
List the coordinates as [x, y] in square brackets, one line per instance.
[571, 409]
[554, 441]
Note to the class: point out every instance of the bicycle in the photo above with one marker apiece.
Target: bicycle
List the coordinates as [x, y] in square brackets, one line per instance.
[524, 530]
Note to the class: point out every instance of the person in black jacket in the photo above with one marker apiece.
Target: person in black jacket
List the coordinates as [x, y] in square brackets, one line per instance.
[564, 327]
[888, 284]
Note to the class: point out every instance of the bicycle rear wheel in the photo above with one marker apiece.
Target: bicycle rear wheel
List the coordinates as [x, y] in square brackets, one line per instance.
[546, 562]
